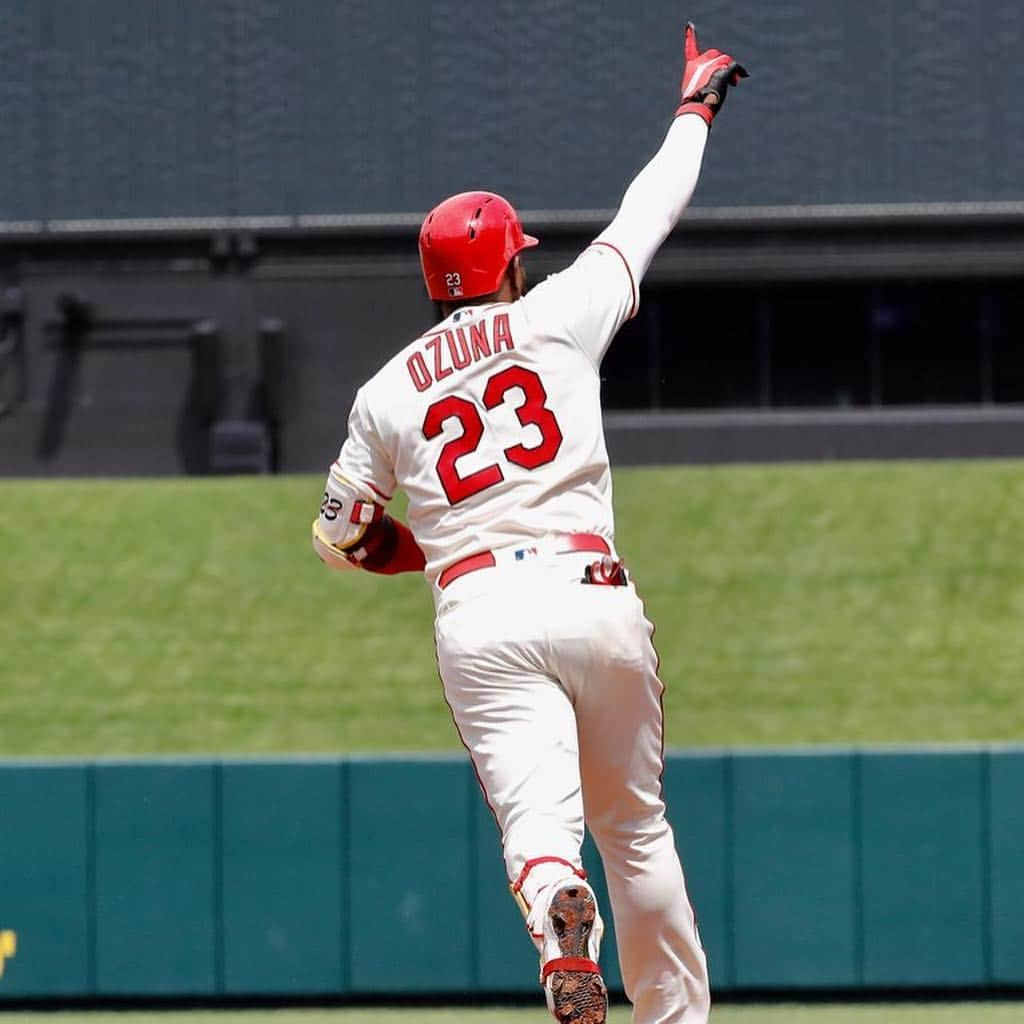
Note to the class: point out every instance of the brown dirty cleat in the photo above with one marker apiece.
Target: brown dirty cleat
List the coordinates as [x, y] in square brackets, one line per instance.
[575, 989]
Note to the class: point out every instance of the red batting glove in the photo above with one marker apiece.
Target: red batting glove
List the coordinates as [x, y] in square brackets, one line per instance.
[706, 78]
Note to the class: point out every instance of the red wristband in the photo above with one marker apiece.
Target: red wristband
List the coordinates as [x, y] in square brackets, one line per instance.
[700, 109]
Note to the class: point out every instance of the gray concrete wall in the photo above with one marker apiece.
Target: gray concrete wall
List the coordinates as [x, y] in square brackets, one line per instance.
[130, 399]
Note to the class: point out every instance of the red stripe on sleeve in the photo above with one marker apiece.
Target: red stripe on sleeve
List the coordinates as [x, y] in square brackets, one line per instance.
[380, 494]
[632, 282]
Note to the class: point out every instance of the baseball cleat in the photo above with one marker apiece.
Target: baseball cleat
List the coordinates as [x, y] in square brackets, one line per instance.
[573, 984]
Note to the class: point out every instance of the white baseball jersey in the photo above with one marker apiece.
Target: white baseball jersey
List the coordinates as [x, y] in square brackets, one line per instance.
[491, 422]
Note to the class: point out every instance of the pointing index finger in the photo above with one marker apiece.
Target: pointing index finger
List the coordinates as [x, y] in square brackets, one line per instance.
[690, 49]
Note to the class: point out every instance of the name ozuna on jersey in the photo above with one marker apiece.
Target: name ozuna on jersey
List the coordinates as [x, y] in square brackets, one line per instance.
[456, 348]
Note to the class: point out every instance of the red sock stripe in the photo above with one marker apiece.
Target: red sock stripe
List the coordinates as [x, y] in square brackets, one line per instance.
[579, 964]
[531, 864]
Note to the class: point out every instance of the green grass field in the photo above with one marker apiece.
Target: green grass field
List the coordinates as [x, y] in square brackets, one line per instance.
[981, 1013]
[852, 603]
[836, 604]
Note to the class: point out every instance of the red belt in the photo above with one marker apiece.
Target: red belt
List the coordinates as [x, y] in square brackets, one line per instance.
[565, 544]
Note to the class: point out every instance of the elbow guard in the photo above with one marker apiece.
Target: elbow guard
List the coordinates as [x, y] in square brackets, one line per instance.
[385, 546]
[333, 556]
[354, 532]
[347, 513]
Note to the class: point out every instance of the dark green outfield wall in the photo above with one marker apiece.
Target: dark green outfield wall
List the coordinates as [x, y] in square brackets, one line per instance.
[270, 107]
[306, 877]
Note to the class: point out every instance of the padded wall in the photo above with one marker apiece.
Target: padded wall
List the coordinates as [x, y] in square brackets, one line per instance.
[833, 869]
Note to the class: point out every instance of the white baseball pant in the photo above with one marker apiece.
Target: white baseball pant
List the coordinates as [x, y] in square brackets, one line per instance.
[554, 689]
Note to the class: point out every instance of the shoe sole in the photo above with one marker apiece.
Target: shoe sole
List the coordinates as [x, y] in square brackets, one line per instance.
[577, 997]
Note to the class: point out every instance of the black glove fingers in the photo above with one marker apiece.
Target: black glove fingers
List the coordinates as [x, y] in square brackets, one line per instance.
[734, 72]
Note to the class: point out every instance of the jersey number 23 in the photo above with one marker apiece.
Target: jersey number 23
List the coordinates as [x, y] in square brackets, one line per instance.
[532, 412]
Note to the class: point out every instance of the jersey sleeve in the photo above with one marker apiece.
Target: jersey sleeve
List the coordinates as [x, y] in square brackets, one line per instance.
[588, 301]
[591, 300]
[364, 459]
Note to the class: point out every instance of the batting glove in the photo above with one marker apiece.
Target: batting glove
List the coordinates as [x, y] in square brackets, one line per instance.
[706, 78]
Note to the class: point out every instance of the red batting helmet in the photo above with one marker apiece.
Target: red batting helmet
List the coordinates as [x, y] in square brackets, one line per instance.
[467, 243]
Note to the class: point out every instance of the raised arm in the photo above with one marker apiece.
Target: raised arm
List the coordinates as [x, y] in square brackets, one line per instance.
[655, 200]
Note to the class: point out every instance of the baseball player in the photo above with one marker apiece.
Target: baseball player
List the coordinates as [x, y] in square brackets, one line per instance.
[491, 424]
